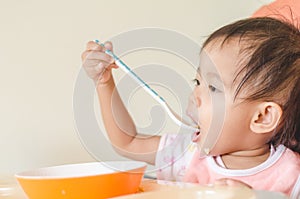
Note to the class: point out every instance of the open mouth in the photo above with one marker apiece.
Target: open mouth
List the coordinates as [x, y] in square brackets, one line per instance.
[196, 135]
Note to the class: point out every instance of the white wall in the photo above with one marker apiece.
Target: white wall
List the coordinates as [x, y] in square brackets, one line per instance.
[40, 46]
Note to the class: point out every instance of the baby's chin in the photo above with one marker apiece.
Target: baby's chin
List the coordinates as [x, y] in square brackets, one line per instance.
[219, 151]
[206, 146]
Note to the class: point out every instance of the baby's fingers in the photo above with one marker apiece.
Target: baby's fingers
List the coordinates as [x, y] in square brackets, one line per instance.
[113, 65]
[97, 63]
[99, 56]
[96, 55]
[91, 45]
[108, 45]
[96, 71]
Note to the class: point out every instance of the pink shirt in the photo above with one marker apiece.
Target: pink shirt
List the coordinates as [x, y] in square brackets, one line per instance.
[179, 160]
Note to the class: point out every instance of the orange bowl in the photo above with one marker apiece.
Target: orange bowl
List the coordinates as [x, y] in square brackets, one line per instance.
[88, 180]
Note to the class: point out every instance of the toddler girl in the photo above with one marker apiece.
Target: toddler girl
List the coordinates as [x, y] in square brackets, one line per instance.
[250, 67]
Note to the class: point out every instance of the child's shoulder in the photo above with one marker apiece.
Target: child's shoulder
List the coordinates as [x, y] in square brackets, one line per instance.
[290, 171]
[289, 162]
[292, 156]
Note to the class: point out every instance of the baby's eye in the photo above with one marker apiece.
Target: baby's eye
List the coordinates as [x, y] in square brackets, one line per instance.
[196, 82]
[213, 89]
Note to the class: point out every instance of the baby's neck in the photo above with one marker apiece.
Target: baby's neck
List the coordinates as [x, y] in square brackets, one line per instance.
[246, 159]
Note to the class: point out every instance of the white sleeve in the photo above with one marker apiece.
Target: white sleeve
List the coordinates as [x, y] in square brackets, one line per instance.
[173, 156]
[296, 190]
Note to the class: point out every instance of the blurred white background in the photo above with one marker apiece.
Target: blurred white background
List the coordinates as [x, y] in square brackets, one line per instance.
[40, 47]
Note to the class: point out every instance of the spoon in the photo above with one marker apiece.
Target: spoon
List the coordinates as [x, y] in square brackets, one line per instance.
[172, 114]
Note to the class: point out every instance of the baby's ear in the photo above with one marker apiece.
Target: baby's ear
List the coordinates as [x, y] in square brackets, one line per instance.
[266, 118]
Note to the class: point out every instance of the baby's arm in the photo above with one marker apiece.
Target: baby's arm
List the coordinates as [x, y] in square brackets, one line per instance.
[117, 121]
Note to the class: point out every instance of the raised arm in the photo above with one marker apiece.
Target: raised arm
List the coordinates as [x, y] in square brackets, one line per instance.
[118, 123]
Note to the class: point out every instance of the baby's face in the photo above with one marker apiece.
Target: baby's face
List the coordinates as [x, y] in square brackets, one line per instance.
[223, 121]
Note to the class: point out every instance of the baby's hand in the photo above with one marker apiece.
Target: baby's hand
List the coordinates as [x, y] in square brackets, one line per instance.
[96, 63]
[231, 182]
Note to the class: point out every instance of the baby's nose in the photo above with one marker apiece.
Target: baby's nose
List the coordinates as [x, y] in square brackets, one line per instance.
[191, 109]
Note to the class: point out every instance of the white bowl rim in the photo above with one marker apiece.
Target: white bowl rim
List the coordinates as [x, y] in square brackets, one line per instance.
[75, 170]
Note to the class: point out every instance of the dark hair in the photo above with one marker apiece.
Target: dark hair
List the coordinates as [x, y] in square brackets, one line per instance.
[272, 64]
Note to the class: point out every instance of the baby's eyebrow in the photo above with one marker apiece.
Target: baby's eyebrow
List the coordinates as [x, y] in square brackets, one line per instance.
[211, 75]
[214, 76]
